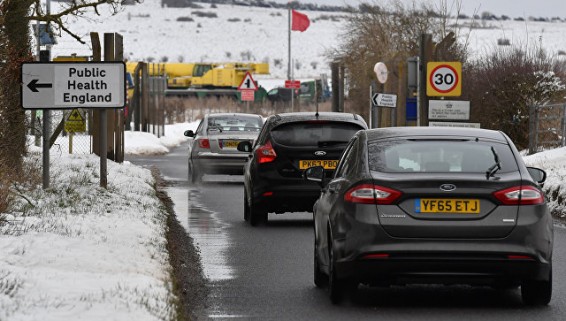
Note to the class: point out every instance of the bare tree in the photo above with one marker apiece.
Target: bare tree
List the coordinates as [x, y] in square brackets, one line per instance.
[15, 48]
[390, 34]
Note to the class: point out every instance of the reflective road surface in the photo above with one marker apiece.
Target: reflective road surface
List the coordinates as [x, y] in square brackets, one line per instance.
[265, 272]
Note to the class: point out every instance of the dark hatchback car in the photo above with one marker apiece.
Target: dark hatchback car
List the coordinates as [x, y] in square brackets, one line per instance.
[287, 145]
[433, 205]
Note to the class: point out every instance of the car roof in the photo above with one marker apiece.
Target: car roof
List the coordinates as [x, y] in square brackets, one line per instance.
[231, 114]
[330, 116]
[392, 132]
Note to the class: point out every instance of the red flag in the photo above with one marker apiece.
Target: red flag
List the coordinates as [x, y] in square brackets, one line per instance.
[300, 22]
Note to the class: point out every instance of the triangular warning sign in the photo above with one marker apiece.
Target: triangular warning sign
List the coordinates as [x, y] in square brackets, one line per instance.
[75, 116]
[248, 83]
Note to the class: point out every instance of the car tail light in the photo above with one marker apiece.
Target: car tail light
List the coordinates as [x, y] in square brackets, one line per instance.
[371, 194]
[520, 195]
[520, 257]
[203, 143]
[266, 153]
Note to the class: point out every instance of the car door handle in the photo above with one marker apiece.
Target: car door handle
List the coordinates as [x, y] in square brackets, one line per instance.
[332, 189]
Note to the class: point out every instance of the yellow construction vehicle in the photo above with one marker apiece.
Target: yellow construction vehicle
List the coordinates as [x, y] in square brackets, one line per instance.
[202, 79]
[217, 75]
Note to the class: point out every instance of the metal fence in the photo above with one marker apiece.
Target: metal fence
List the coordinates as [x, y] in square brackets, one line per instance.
[547, 127]
[63, 141]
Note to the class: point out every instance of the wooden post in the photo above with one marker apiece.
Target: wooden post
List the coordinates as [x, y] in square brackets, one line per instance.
[119, 113]
[145, 98]
[334, 67]
[341, 89]
[110, 55]
[425, 56]
[95, 128]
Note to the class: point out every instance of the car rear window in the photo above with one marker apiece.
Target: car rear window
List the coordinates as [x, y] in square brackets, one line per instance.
[234, 123]
[314, 133]
[438, 156]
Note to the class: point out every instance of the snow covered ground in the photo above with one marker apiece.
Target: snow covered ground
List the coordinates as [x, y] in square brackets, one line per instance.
[260, 34]
[76, 251]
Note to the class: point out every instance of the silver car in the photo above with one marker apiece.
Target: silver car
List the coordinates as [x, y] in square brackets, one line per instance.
[213, 147]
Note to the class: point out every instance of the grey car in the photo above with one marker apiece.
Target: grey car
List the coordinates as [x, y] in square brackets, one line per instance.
[433, 205]
[213, 146]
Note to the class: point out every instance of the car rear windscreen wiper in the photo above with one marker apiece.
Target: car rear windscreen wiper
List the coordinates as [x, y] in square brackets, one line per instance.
[495, 167]
[325, 143]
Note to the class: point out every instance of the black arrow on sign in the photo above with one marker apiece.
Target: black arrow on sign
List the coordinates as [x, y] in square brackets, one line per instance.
[33, 85]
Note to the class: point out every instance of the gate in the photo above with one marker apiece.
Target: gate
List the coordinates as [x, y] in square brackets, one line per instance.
[547, 127]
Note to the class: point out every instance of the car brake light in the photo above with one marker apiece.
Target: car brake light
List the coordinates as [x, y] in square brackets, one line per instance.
[266, 153]
[204, 143]
[520, 195]
[519, 257]
[371, 194]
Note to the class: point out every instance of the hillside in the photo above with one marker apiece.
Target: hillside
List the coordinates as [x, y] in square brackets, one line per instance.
[233, 32]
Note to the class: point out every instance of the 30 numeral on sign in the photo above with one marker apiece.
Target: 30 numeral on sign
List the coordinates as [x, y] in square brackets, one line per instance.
[444, 79]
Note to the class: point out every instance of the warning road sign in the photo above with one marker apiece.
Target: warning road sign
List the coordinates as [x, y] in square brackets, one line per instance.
[444, 79]
[75, 122]
[248, 83]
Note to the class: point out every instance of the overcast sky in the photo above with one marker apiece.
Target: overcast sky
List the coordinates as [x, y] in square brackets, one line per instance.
[512, 8]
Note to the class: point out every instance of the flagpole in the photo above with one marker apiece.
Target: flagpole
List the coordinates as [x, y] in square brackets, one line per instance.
[289, 46]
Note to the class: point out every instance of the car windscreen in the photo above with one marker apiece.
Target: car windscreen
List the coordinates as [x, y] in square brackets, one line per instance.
[439, 156]
[314, 133]
[234, 123]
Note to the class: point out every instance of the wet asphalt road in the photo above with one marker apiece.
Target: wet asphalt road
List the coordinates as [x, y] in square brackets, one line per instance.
[265, 273]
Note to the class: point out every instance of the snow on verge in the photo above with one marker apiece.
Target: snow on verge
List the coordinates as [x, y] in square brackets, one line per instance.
[554, 163]
[77, 251]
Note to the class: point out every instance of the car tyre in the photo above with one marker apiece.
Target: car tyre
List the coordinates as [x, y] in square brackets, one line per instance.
[336, 287]
[247, 209]
[256, 214]
[536, 293]
[320, 279]
[194, 176]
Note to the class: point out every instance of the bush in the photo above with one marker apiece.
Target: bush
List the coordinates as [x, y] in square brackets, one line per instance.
[203, 14]
[503, 85]
[185, 19]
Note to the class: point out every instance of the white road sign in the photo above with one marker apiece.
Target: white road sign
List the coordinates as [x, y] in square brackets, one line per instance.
[452, 124]
[449, 109]
[384, 100]
[54, 85]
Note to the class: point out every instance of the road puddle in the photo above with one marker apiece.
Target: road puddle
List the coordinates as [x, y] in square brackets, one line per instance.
[207, 231]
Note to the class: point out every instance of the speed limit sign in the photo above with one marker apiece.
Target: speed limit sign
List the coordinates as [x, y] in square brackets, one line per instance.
[444, 79]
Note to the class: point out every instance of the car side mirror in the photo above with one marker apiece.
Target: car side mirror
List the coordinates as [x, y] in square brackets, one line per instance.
[314, 174]
[537, 174]
[189, 133]
[245, 146]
